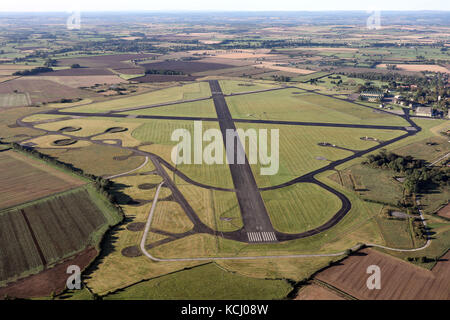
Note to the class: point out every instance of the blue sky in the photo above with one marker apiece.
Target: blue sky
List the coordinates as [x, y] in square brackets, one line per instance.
[226, 5]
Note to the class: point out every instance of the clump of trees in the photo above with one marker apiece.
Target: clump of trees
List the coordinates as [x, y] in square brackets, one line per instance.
[281, 78]
[423, 259]
[418, 176]
[391, 67]
[368, 86]
[66, 100]
[50, 63]
[419, 230]
[32, 71]
[165, 72]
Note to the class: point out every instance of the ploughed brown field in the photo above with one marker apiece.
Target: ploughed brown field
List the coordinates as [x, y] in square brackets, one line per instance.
[316, 292]
[78, 72]
[113, 61]
[49, 280]
[41, 90]
[24, 179]
[136, 70]
[80, 81]
[35, 237]
[399, 279]
[418, 67]
[187, 67]
[163, 78]
[445, 211]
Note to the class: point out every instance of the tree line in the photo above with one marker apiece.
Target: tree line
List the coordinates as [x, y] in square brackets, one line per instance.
[34, 71]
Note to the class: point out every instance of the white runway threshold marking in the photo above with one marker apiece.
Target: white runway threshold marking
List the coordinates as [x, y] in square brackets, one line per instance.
[261, 237]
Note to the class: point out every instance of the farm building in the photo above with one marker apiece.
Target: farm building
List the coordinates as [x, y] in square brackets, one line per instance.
[372, 95]
[424, 111]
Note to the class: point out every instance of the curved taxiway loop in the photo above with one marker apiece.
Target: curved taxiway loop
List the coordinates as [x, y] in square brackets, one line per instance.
[147, 229]
[346, 205]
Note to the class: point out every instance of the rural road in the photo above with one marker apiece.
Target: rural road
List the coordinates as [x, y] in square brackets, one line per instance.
[440, 159]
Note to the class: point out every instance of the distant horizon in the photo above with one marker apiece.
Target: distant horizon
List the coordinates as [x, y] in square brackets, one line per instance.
[228, 6]
[224, 11]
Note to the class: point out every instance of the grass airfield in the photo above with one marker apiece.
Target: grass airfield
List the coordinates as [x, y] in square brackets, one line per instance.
[292, 209]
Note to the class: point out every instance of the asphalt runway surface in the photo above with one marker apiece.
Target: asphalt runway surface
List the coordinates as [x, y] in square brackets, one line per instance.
[253, 210]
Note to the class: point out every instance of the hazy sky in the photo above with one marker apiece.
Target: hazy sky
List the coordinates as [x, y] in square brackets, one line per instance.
[234, 5]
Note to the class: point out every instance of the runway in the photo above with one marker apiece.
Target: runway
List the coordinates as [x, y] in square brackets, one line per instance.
[253, 211]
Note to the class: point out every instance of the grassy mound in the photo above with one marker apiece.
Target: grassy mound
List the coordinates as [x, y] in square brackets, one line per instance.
[69, 129]
[64, 142]
[115, 129]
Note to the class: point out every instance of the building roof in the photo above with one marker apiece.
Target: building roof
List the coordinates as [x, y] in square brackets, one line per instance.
[423, 110]
[371, 93]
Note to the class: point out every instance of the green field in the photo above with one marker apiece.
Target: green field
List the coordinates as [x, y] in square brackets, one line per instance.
[217, 209]
[429, 149]
[99, 160]
[300, 207]
[234, 86]
[434, 199]
[9, 131]
[206, 282]
[373, 184]
[348, 83]
[310, 76]
[298, 105]
[299, 152]
[203, 108]
[176, 93]
[170, 217]
[299, 149]
[437, 248]
[159, 133]
[396, 233]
